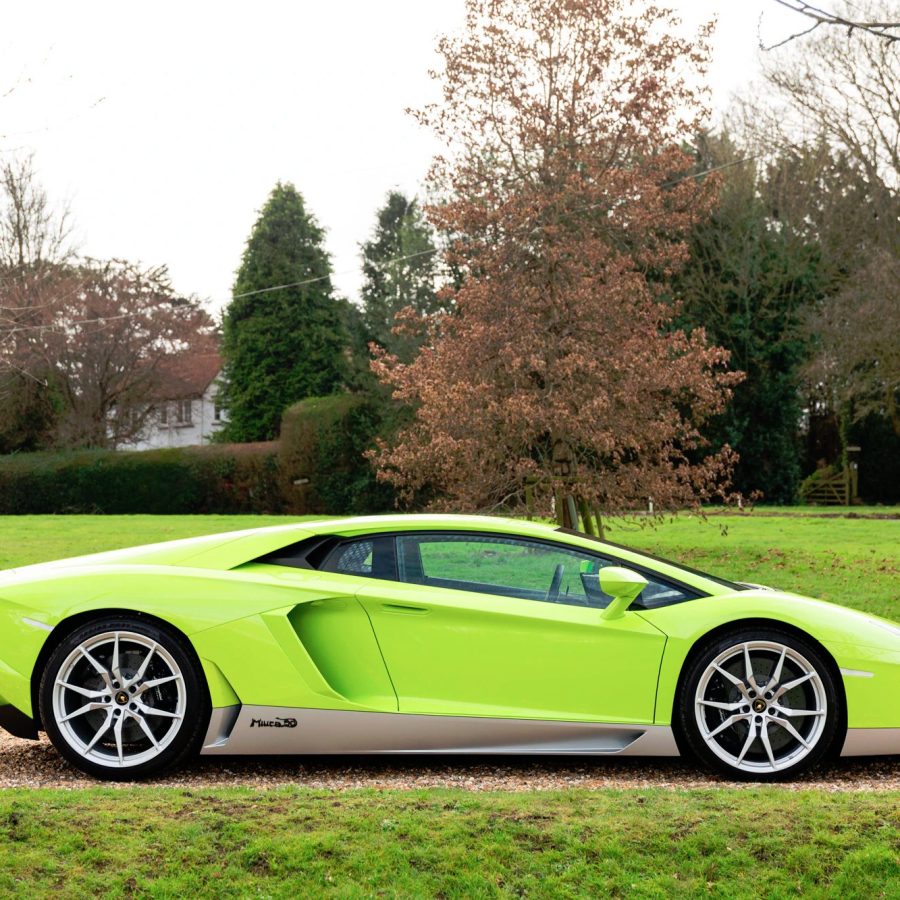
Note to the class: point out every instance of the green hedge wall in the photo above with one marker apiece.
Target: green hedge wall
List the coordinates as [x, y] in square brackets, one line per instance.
[236, 478]
[321, 455]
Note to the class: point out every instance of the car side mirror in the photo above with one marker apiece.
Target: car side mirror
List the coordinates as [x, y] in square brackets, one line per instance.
[623, 585]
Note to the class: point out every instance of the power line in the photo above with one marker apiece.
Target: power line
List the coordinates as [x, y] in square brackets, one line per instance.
[396, 259]
[281, 287]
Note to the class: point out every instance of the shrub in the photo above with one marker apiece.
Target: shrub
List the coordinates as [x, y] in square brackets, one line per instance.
[321, 456]
[225, 478]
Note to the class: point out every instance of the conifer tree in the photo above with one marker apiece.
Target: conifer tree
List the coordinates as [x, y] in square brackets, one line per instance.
[281, 345]
[399, 266]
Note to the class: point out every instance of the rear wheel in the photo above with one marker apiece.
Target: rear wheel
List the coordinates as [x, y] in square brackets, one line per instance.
[759, 705]
[122, 699]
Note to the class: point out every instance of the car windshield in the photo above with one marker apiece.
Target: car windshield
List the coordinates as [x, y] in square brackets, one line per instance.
[733, 585]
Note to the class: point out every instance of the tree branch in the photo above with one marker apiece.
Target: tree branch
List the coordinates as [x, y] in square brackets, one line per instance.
[888, 31]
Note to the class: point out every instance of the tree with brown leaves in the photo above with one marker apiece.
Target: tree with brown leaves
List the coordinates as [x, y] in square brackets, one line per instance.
[568, 200]
[93, 341]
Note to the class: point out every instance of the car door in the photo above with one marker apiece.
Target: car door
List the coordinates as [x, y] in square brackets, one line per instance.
[494, 625]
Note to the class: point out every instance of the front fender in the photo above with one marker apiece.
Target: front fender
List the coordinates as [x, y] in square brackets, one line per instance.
[855, 641]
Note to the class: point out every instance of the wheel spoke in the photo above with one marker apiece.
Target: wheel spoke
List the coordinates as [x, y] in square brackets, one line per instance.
[117, 673]
[91, 695]
[715, 704]
[731, 720]
[100, 732]
[748, 666]
[156, 682]
[143, 668]
[88, 707]
[776, 672]
[787, 711]
[732, 678]
[795, 683]
[153, 711]
[789, 728]
[146, 729]
[117, 731]
[751, 737]
[97, 667]
[764, 736]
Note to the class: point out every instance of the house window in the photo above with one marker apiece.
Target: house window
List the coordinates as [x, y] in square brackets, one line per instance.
[178, 413]
[217, 412]
[183, 412]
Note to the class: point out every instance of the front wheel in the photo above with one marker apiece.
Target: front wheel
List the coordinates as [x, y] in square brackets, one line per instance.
[122, 699]
[759, 705]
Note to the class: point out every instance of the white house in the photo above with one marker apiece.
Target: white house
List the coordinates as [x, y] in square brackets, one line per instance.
[187, 413]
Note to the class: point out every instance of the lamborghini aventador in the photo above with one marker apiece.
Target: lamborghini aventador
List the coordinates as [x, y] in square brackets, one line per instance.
[433, 634]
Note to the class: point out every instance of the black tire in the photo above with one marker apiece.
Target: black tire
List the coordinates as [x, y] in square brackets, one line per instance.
[708, 697]
[147, 722]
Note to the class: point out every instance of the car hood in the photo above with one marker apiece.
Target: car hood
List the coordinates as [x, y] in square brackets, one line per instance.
[829, 622]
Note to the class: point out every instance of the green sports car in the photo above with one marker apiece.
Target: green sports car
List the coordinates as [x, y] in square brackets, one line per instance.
[433, 634]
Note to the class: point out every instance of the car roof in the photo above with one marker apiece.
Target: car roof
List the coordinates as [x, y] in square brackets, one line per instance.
[427, 522]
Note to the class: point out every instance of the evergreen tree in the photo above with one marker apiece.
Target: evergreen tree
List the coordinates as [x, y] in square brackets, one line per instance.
[749, 281]
[281, 346]
[399, 267]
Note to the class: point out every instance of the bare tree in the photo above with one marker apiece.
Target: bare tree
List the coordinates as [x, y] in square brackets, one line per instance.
[857, 364]
[32, 232]
[843, 88]
[35, 248]
[885, 30]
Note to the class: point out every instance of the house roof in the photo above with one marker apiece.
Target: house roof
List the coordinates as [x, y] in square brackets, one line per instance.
[187, 375]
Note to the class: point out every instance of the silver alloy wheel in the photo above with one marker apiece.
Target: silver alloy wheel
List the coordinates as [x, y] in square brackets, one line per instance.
[119, 699]
[761, 706]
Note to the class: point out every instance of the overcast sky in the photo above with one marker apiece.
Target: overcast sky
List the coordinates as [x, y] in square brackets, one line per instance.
[165, 125]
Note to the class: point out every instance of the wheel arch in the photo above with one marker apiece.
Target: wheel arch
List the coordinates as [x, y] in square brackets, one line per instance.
[67, 626]
[714, 634]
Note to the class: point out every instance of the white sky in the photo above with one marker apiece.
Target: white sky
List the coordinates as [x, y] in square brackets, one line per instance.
[165, 125]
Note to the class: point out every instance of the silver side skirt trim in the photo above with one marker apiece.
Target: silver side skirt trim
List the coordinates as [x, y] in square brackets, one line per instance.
[871, 742]
[255, 730]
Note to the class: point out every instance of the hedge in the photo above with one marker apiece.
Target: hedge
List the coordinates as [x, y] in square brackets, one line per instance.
[321, 455]
[226, 478]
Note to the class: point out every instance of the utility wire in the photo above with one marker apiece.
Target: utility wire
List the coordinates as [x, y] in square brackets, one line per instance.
[396, 259]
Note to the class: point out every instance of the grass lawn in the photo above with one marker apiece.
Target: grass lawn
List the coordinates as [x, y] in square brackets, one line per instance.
[289, 842]
[298, 843]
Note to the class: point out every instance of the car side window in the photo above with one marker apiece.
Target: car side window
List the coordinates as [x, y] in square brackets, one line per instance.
[371, 557]
[512, 567]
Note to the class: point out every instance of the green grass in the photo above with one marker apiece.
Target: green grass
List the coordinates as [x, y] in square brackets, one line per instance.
[852, 561]
[293, 842]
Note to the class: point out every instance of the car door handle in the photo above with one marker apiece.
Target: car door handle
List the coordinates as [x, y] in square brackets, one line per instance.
[404, 608]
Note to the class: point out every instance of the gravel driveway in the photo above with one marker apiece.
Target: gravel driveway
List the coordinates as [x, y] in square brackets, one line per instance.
[36, 764]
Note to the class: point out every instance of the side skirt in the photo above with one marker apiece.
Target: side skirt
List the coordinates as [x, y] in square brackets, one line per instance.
[871, 742]
[255, 730]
